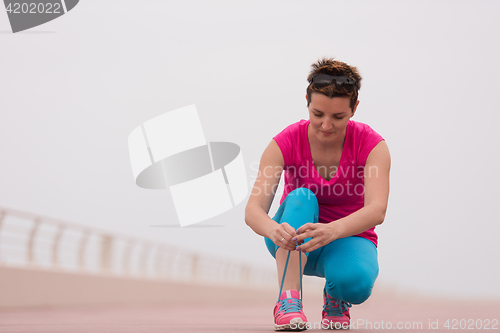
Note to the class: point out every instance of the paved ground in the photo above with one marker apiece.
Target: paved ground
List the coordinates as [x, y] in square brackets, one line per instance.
[381, 313]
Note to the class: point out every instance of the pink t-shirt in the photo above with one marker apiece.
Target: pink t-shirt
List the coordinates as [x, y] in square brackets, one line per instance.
[344, 193]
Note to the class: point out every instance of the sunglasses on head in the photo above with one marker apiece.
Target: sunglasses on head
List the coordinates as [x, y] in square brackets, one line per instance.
[323, 80]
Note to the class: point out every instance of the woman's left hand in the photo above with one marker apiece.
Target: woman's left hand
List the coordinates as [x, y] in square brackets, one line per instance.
[321, 233]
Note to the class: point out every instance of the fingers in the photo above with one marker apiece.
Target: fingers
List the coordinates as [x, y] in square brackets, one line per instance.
[306, 227]
[305, 231]
[316, 232]
[290, 239]
[285, 235]
[309, 246]
[286, 244]
[289, 229]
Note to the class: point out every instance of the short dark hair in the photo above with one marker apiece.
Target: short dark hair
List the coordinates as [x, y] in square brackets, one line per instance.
[334, 68]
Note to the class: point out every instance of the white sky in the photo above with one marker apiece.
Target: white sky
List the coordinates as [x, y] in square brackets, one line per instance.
[73, 89]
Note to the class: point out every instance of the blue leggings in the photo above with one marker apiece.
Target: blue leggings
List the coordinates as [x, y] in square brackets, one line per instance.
[349, 264]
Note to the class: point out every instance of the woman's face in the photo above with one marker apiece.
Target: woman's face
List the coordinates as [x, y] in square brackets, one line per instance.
[329, 116]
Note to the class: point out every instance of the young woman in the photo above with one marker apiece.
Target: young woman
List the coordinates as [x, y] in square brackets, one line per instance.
[335, 193]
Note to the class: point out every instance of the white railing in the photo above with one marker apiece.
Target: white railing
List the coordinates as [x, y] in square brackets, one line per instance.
[33, 241]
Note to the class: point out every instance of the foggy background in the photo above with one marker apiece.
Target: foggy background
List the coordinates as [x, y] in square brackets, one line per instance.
[73, 89]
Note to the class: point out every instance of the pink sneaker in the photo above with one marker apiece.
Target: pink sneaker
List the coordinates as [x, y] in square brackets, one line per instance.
[288, 314]
[335, 313]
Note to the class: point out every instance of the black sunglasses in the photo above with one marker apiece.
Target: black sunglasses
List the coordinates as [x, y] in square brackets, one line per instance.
[323, 80]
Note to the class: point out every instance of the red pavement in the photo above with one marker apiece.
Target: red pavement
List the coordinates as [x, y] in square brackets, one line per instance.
[381, 313]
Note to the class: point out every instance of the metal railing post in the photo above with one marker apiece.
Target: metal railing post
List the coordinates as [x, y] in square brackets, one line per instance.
[55, 246]
[245, 275]
[31, 241]
[166, 263]
[194, 267]
[81, 250]
[157, 268]
[106, 253]
[2, 216]
[144, 260]
[126, 257]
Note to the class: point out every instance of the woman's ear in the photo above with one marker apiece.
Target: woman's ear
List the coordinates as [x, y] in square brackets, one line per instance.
[355, 108]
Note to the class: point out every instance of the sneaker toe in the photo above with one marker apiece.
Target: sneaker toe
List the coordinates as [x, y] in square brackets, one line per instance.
[295, 324]
[291, 318]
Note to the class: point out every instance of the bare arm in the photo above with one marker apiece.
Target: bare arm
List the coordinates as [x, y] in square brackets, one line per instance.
[376, 178]
[262, 195]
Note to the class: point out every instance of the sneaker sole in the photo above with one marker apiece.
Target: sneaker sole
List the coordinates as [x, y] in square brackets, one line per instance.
[295, 324]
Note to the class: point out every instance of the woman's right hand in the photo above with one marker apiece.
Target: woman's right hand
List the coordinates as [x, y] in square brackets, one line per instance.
[282, 236]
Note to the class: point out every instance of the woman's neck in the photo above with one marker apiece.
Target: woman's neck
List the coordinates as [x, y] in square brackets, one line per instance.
[331, 145]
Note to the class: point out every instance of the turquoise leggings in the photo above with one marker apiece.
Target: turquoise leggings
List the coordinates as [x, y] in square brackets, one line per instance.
[349, 264]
